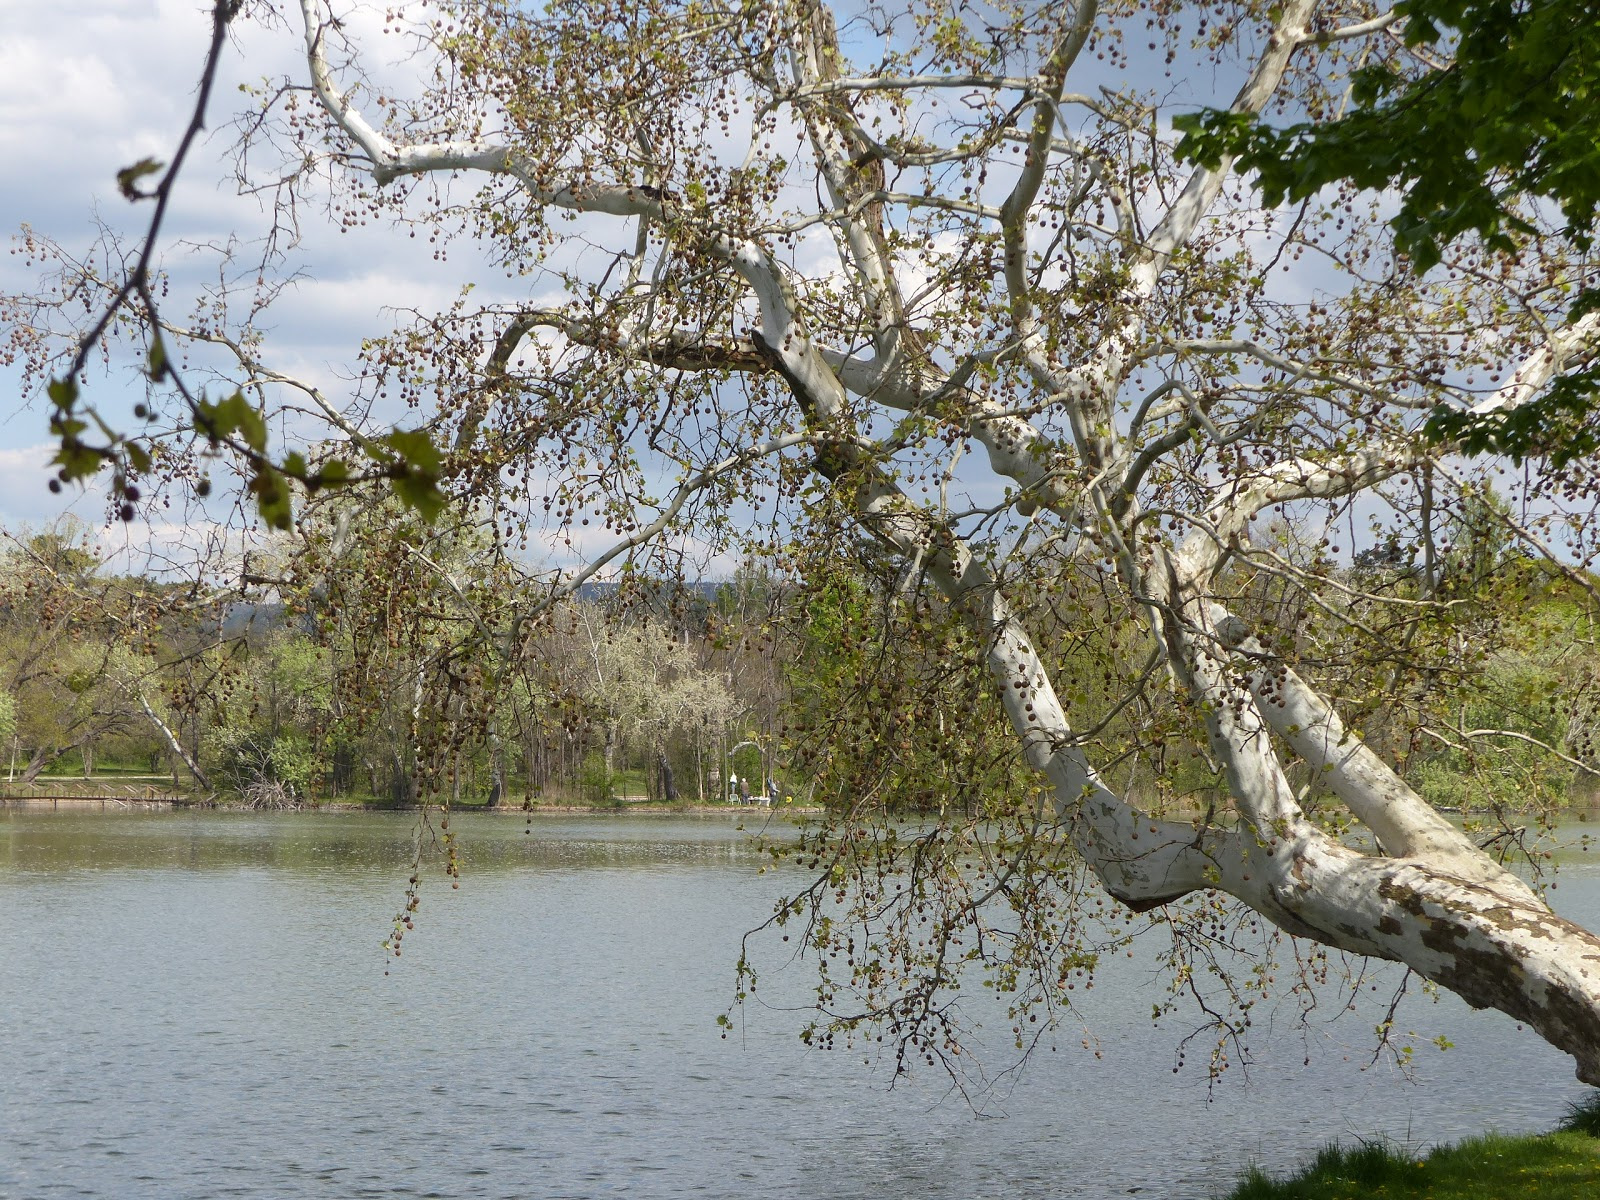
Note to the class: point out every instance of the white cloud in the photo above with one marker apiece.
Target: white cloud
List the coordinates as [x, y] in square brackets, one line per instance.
[25, 496]
[157, 542]
[78, 92]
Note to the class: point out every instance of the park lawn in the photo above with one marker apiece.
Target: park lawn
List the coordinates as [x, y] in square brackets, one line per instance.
[1551, 1166]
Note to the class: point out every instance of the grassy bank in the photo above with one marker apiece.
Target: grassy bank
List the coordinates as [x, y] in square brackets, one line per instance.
[1560, 1165]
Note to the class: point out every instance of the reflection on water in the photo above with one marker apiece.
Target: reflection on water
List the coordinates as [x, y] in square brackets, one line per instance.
[44, 840]
[197, 1006]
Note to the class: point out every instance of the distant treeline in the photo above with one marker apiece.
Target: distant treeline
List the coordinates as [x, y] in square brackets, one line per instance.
[410, 663]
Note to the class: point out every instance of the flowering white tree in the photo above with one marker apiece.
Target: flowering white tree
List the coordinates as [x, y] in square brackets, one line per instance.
[935, 267]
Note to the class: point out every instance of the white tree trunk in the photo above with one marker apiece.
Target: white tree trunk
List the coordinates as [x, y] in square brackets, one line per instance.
[171, 738]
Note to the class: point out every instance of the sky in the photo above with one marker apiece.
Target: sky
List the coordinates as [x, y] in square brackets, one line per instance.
[80, 92]
[89, 88]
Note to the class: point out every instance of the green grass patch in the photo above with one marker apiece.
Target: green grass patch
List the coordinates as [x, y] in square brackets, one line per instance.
[1584, 1116]
[1552, 1166]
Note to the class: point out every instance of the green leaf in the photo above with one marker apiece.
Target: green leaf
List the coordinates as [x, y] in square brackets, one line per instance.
[67, 428]
[157, 366]
[273, 497]
[415, 447]
[77, 460]
[63, 393]
[333, 474]
[128, 178]
[422, 495]
[415, 474]
[222, 419]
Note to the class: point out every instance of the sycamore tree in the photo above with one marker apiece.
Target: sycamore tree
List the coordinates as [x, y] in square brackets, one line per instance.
[767, 278]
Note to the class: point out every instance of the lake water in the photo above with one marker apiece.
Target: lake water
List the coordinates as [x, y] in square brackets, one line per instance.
[197, 1006]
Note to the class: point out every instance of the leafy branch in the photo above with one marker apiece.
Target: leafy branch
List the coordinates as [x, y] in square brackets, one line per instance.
[1468, 144]
[407, 458]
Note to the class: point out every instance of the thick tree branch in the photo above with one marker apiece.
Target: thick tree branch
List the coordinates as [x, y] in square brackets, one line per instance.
[389, 161]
